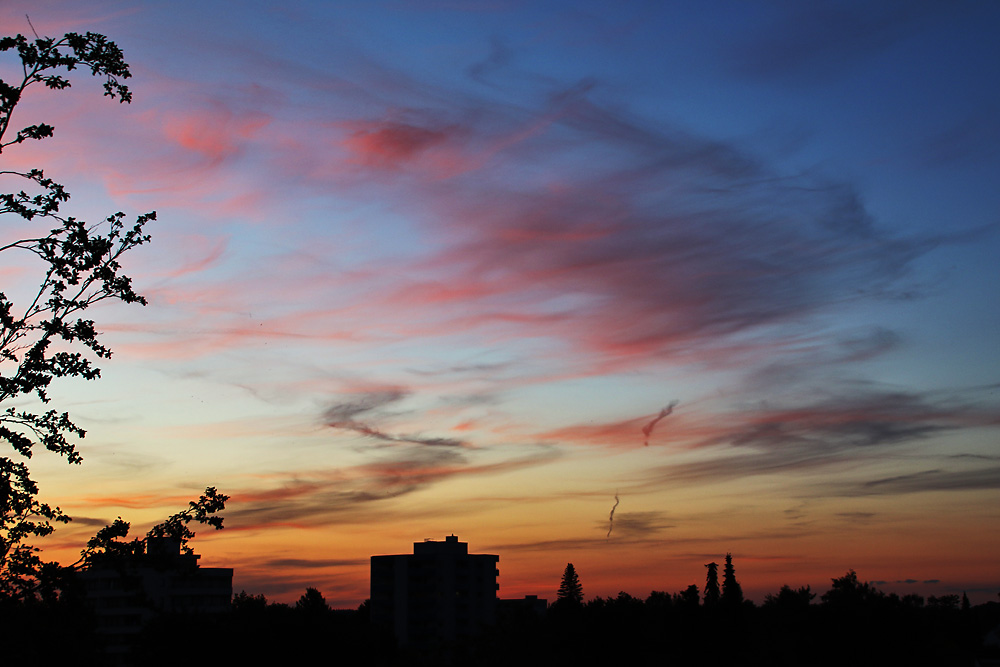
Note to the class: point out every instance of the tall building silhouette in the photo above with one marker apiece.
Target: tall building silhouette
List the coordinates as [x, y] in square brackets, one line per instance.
[439, 593]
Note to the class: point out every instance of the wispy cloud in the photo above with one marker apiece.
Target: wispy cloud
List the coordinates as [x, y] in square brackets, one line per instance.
[312, 563]
[388, 145]
[357, 493]
[640, 524]
[725, 246]
[833, 432]
[647, 430]
[929, 480]
[345, 416]
[625, 238]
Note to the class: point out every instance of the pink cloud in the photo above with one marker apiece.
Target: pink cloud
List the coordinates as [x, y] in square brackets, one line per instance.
[386, 145]
[215, 133]
[682, 429]
[720, 249]
[214, 250]
[206, 338]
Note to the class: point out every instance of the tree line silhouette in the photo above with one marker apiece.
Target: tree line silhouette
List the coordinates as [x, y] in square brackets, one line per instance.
[851, 623]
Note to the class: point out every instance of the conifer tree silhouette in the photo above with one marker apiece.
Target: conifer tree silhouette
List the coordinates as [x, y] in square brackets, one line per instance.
[732, 593]
[570, 591]
[712, 584]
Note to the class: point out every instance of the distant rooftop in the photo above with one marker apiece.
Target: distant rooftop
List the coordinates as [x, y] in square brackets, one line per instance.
[451, 545]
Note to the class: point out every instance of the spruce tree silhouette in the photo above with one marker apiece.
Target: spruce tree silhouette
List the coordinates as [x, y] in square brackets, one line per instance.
[570, 591]
[712, 584]
[732, 593]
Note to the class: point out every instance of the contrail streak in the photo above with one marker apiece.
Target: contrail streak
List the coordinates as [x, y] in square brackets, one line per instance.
[611, 517]
[647, 430]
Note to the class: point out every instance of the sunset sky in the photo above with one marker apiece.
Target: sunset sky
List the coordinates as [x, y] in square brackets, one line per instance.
[424, 268]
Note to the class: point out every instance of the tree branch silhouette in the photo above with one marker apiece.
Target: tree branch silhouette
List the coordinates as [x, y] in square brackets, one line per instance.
[47, 336]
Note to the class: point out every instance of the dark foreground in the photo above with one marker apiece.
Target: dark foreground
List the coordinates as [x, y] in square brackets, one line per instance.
[847, 626]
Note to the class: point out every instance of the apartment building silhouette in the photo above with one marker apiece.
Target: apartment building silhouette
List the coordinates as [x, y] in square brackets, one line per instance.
[440, 593]
[128, 592]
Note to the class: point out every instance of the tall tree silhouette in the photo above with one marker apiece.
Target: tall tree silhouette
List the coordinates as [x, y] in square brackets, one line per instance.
[46, 336]
[789, 599]
[570, 591]
[312, 602]
[689, 598]
[732, 593]
[848, 592]
[712, 584]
